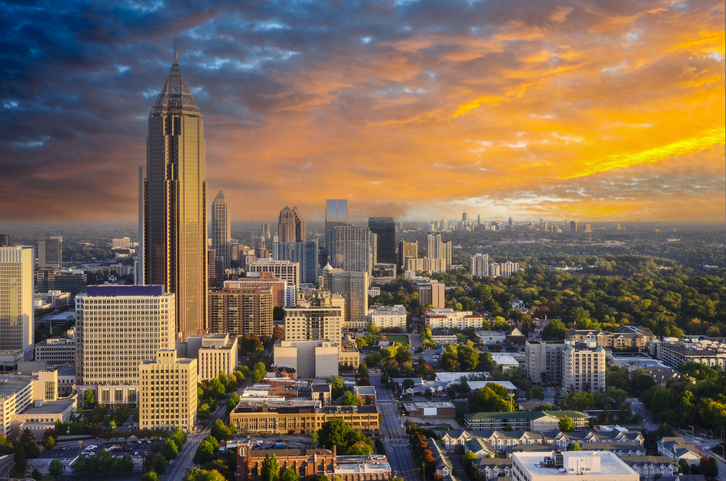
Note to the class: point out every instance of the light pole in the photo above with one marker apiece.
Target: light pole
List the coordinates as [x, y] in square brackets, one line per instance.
[693, 431]
[711, 434]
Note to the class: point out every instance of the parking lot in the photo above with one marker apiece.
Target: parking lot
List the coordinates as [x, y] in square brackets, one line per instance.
[270, 442]
[71, 450]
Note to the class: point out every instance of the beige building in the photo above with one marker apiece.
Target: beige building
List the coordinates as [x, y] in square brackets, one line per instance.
[168, 392]
[262, 279]
[285, 270]
[479, 265]
[43, 415]
[438, 248]
[575, 465]
[426, 264]
[311, 359]
[313, 323]
[406, 250]
[241, 311]
[16, 395]
[56, 350]
[432, 293]
[291, 226]
[118, 327]
[583, 369]
[451, 319]
[388, 317]
[218, 353]
[353, 286]
[16, 302]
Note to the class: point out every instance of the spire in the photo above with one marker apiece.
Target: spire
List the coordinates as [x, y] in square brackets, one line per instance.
[175, 97]
[220, 197]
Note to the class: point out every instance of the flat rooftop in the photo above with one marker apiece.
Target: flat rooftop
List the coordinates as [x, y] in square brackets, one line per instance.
[590, 463]
[49, 407]
[10, 385]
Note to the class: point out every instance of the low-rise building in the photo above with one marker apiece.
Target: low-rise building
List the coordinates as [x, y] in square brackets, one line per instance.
[388, 317]
[651, 466]
[214, 353]
[613, 340]
[676, 448]
[310, 359]
[489, 338]
[56, 350]
[436, 409]
[43, 415]
[537, 421]
[444, 467]
[451, 319]
[366, 395]
[593, 465]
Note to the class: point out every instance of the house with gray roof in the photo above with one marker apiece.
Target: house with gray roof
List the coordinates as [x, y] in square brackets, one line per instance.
[650, 466]
[677, 449]
[491, 468]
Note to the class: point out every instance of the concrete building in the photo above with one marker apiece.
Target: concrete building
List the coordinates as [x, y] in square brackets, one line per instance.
[543, 361]
[425, 264]
[479, 265]
[278, 286]
[583, 369]
[407, 250]
[43, 415]
[495, 270]
[241, 311]
[174, 205]
[353, 286]
[122, 243]
[675, 354]
[556, 465]
[432, 293]
[451, 319]
[618, 340]
[168, 397]
[366, 395]
[438, 248]
[509, 268]
[50, 252]
[217, 353]
[64, 281]
[16, 301]
[303, 253]
[16, 395]
[537, 421]
[388, 317]
[285, 270]
[291, 226]
[350, 248]
[56, 350]
[314, 323]
[490, 338]
[437, 409]
[118, 327]
[221, 230]
[311, 359]
[385, 230]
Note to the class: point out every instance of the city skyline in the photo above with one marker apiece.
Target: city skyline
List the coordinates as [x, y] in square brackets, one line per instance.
[602, 111]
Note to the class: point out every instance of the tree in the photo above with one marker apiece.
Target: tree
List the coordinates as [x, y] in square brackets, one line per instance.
[468, 357]
[36, 475]
[408, 384]
[270, 468]
[260, 372]
[196, 474]
[21, 460]
[710, 468]
[233, 401]
[289, 474]
[350, 399]
[220, 431]
[169, 449]
[321, 477]
[56, 468]
[573, 446]
[333, 433]
[32, 450]
[127, 464]
[179, 437]
[491, 398]
[337, 387]
[359, 449]
[150, 476]
[89, 398]
[554, 330]
[49, 443]
[467, 460]
[160, 463]
[314, 439]
[566, 424]
[206, 451]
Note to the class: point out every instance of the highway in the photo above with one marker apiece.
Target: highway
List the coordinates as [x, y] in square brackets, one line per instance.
[393, 435]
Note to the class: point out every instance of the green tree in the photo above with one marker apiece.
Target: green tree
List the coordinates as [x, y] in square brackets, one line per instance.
[337, 387]
[350, 399]
[220, 431]
[710, 468]
[314, 439]
[333, 433]
[179, 437]
[160, 463]
[150, 476]
[36, 475]
[566, 424]
[206, 451]
[32, 450]
[359, 449]
[89, 398]
[321, 477]
[233, 401]
[196, 474]
[270, 468]
[468, 357]
[260, 372]
[56, 468]
[468, 460]
[574, 447]
[554, 330]
[21, 460]
[49, 443]
[127, 464]
[289, 474]
[169, 449]
[491, 398]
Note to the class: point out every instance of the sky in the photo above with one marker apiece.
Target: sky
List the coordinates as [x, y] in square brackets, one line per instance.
[601, 110]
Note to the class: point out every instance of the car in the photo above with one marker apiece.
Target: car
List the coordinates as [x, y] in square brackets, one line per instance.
[136, 453]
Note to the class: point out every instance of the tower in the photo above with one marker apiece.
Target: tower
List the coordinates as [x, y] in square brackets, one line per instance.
[175, 221]
[385, 229]
[221, 237]
[291, 226]
[16, 299]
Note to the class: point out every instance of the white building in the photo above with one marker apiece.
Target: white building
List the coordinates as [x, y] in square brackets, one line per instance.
[56, 350]
[583, 369]
[16, 301]
[314, 323]
[489, 338]
[285, 270]
[574, 465]
[311, 359]
[479, 265]
[451, 319]
[214, 353]
[509, 268]
[353, 286]
[387, 317]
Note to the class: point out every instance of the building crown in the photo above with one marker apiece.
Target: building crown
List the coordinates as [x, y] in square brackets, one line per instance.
[175, 97]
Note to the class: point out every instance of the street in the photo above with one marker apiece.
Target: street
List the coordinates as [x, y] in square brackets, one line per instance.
[393, 435]
[650, 423]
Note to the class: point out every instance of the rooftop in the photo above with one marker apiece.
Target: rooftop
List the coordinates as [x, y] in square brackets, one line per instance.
[575, 463]
[50, 407]
[123, 290]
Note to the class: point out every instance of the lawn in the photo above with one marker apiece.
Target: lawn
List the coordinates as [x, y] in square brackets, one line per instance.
[397, 338]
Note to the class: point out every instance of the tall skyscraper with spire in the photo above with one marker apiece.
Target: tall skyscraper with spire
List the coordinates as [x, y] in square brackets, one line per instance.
[175, 221]
[221, 236]
[291, 226]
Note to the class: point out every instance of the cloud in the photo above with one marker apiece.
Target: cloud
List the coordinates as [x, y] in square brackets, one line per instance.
[599, 110]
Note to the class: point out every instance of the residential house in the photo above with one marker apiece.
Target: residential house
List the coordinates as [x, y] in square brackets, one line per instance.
[677, 449]
[650, 466]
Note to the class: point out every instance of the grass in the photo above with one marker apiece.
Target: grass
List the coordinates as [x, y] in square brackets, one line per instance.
[397, 338]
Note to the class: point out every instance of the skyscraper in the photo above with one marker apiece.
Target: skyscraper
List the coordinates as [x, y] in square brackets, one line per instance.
[50, 252]
[479, 265]
[291, 226]
[16, 301]
[336, 213]
[221, 237]
[385, 229]
[350, 248]
[407, 249]
[175, 221]
[304, 253]
[353, 286]
[438, 248]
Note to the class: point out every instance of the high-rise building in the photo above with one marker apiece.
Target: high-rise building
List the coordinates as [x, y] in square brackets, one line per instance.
[573, 226]
[314, 323]
[291, 226]
[285, 270]
[16, 299]
[385, 229]
[543, 361]
[509, 268]
[241, 311]
[168, 392]
[438, 248]
[118, 327]
[336, 213]
[4, 240]
[432, 293]
[350, 249]
[221, 232]
[353, 286]
[277, 286]
[303, 253]
[407, 249]
[55, 280]
[479, 265]
[50, 252]
[583, 368]
[175, 220]
[265, 231]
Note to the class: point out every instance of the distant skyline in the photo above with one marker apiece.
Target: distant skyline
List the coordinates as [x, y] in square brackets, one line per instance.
[594, 111]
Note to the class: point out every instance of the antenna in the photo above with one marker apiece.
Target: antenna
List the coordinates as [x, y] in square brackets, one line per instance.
[176, 58]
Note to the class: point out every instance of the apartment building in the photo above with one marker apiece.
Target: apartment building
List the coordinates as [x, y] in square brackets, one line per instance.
[583, 368]
[353, 286]
[432, 293]
[241, 311]
[217, 353]
[313, 323]
[616, 340]
[168, 396]
[543, 361]
[479, 265]
[388, 317]
[285, 270]
[451, 319]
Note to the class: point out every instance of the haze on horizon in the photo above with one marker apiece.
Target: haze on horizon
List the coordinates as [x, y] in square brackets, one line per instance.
[601, 110]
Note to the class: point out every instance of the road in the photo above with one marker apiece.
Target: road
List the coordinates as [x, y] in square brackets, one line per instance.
[393, 435]
[650, 422]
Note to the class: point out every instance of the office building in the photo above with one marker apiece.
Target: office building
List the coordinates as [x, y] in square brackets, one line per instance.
[438, 248]
[432, 293]
[285, 270]
[314, 323]
[451, 319]
[311, 359]
[175, 219]
[241, 311]
[388, 317]
[353, 286]
[543, 362]
[303, 253]
[291, 226]
[214, 353]
[168, 397]
[385, 230]
[583, 369]
[405, 250]
[220, 229]
[277, 286]
[336, 213]
[56, 350]
[536, 421]
[350, 248]
[573, 226]
[50, 252]
[479, 265]
[122, 243]
[4, 240]
[215, 268]
[16, 299]
[575, 465]
[118, 327]
[65, 281]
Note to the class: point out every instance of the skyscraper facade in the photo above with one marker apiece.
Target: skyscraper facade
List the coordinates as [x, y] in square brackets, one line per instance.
[291, 226]
[353, 286]
[479, 265]
[50, 252]
[336, 213]
[221, 232]
[438, 248]
[385, 229]
[16, 301]
[407, 249]
[241, 311]
[304, 253]
[350, 249]
[175, 221]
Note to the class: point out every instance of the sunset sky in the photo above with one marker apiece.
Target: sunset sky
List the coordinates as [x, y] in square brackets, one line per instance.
[591, 110]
